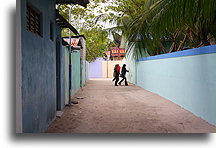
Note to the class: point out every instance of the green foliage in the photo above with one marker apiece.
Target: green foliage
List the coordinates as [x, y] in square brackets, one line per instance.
[84, 20]
[184, 23]
[97, 42]
[161, 26]
[156, 26]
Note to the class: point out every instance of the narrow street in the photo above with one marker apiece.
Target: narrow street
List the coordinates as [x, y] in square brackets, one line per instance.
[105, 108]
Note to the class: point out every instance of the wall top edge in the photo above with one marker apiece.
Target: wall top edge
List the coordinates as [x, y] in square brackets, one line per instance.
[189, 52]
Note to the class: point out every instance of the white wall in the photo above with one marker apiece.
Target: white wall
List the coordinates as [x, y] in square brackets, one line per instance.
[108, 66]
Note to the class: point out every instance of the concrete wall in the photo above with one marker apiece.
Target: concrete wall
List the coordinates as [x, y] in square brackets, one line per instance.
[87, 71]
[108, 67]
[38, 70]
[75, 58]
[66, 67]
[61, 103]
[83, 62]
[131, 66]
[18, 69]
[95, 68]
[103, 69]
[82, 73]
[64, 76]
[187, 78]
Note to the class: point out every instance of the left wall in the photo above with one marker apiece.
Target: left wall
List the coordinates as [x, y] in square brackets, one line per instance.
[18, 70]
[38, 68]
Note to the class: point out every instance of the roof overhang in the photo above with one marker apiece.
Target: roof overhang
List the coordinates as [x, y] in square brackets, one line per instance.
[63, 23]
[79, 2]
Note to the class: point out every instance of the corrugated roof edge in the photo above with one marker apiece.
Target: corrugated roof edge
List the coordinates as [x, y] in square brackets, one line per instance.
[79, 2]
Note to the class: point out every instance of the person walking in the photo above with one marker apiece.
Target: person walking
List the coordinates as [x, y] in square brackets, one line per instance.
[116, 74]
[118, 68]
[123, 73]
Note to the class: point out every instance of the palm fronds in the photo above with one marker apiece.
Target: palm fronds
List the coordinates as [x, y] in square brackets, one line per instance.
[192, 20]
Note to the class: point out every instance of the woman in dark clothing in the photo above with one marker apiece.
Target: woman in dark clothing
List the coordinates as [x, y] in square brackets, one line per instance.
[117, 67]
[123, 73]
[116, 74]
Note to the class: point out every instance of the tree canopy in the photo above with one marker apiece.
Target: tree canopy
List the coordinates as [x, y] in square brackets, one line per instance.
[84, 20]
[163, 26]
[158, 26]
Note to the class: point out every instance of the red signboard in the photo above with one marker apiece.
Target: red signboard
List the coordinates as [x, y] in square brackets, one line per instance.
[74, 41]
[117, 52]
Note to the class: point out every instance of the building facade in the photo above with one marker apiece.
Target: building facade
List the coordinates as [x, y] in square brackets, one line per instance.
[41, 64]
[117, 53]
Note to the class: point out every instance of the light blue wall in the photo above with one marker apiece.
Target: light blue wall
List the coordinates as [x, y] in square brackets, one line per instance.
[131, 55]
[95, 68]
[38, 70]
[131, 66]
[189, 81]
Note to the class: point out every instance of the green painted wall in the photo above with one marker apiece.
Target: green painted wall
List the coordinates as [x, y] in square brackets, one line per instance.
[66, 66]
[75, 59]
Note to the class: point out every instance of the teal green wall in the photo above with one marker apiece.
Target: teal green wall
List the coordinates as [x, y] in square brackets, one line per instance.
[75, 59]
[189, 81]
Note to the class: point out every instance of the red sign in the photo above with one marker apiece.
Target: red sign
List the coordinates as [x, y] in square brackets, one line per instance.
[122, 51]
[74, 41]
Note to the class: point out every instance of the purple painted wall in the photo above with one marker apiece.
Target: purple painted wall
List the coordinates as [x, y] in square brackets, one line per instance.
[95, 68]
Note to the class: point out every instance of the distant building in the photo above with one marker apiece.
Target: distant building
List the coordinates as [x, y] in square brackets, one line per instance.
[117, 53]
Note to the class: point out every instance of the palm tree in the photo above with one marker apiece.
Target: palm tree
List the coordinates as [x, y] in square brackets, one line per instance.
[181, 22]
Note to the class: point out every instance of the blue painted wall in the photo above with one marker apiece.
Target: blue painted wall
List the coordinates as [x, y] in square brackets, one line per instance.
[63, 78]
[188, 80]
[64, 60]
[38, 70]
